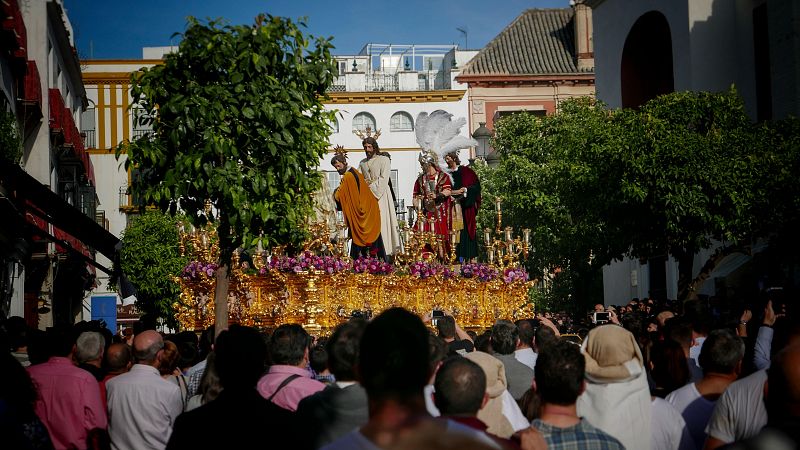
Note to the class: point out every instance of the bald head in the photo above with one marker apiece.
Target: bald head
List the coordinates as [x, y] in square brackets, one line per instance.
[146, 346]
[119, 357]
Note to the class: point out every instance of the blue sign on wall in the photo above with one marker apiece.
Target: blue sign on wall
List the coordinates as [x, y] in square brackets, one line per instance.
[104, 307]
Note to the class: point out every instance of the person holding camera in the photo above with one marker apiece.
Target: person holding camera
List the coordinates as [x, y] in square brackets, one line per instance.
[457, 340]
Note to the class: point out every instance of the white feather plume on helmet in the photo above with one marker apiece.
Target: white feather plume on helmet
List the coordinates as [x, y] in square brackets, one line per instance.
[438, 135]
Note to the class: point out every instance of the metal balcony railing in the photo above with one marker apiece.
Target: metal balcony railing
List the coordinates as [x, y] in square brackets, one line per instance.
[89, 138]
[381, 82]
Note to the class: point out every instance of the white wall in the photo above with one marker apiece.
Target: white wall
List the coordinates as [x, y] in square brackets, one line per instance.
[613, 20]
[402, 145]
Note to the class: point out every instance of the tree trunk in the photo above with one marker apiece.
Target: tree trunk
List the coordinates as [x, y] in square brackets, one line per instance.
[685, 268]
[689, 290]
[221, 300]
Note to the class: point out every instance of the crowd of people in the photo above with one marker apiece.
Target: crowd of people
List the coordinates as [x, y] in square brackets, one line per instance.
[643, 375]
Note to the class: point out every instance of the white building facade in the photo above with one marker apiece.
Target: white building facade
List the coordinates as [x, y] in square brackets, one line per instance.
[48, 192]
[645, 48]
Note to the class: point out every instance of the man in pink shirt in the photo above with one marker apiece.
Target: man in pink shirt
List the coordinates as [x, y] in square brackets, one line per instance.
[69, 402]
[288, 380]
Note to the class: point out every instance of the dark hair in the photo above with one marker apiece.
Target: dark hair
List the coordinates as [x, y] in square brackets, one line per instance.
[206, 341]
[188, 354]
[17, 389]
[373, 141]
[343, 348]
[339, 158]
[437, 351]
[240, 357]
[698, 315]
[394, 356]
[446, 326]
[168, 360]
[459, 387]
[483, 343]
[455, 157]
[670, 367]
[288, 344]
[679, 330]
[17, 331]
[544, 336]
[784, 392]
[504, 337]
[60, 340]
[318, 358]
[722, 351]
[526, 331]
[559, 373]
[210, 385]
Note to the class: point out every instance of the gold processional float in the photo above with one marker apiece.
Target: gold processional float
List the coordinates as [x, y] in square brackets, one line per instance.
[322, 287]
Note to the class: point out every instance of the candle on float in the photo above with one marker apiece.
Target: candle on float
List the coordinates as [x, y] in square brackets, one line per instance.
[497, 201]
[526, 236]
[509, 237]
[487, 237]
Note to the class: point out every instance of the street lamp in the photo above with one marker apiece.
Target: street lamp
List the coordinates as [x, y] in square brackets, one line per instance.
[482, 135]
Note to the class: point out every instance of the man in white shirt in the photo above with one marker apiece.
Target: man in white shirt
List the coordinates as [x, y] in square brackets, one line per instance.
[524, 352]
[142, 406]
[721, 360]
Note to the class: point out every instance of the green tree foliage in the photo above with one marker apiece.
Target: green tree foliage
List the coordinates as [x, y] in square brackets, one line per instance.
[681, 173]
[10, 142]
[240, 125]
[150, 257]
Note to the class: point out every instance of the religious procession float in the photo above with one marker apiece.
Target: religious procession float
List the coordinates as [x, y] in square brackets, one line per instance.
[321, 284]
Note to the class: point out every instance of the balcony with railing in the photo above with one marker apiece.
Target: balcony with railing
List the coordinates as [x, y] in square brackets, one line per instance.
[138, 134]
[393, 68]
[89, 138]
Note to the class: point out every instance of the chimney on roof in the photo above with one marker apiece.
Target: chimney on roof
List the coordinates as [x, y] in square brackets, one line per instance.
[584, 44]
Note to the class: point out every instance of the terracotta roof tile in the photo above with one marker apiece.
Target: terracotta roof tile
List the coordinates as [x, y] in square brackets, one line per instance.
[538, 42]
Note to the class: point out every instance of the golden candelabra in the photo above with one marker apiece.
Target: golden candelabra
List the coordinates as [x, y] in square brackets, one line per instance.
[504, 250]
[265, 297]
[417, 239]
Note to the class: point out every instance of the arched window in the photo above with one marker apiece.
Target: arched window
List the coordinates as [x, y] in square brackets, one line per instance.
[401, 121]
[334, 125]
[646, 70]
[363, 120]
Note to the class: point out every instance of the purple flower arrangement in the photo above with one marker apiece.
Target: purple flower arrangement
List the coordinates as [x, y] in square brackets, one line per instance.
[306, 261]
[423, 269]
[420, 269]
[483, 272]
[372, 266]
[513, 274]
[196, 269]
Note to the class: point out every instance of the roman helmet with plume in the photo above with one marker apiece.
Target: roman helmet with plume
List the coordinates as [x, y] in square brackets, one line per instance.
[438, 135]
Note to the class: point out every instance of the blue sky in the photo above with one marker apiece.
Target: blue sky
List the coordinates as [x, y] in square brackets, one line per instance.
[116, 29]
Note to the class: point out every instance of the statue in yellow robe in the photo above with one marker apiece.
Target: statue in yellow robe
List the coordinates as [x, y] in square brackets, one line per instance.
[360, 209]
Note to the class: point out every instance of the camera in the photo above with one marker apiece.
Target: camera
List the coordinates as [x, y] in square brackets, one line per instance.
[601, 318]
[435, 316]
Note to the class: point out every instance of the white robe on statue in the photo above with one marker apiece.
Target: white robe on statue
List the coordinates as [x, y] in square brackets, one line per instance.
[377, 171]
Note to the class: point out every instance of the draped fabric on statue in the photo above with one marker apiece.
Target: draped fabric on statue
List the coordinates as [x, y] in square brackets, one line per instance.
[377, 171]
[360, 208]
[439, 209]
[470, 203]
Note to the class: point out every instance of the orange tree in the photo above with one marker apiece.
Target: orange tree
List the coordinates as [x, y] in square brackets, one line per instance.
[240, 125]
